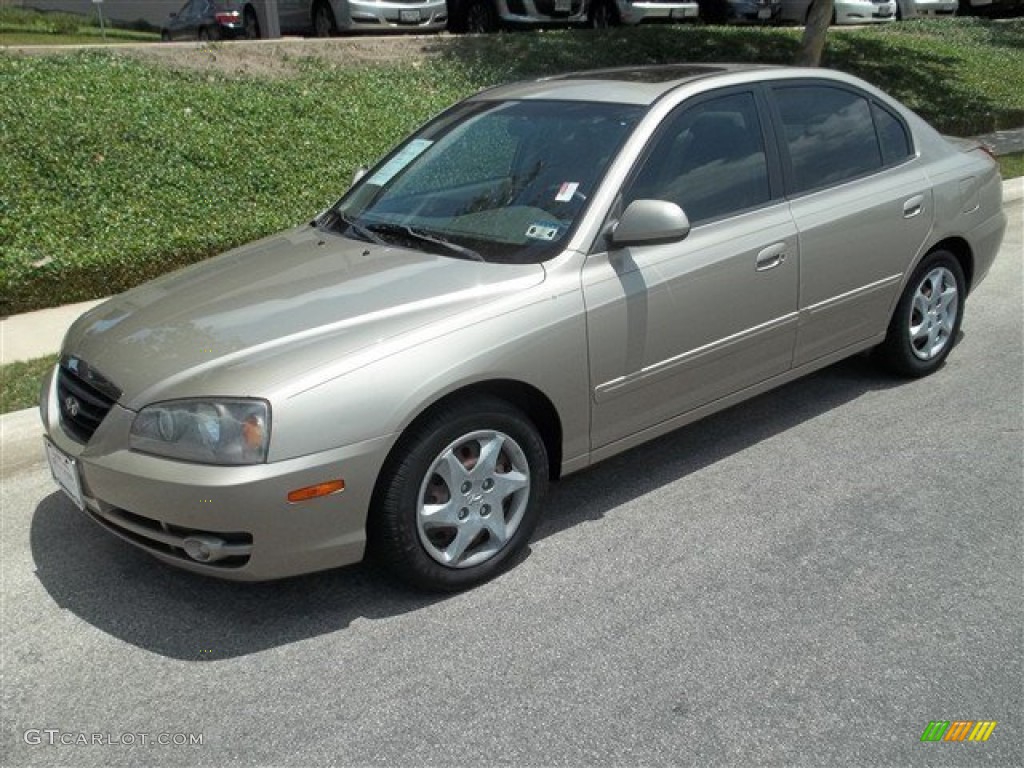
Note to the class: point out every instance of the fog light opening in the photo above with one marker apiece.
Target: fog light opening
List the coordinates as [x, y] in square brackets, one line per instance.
[205, 549]
[316, 491]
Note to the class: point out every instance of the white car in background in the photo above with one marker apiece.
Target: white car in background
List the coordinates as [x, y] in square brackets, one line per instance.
[844, 11]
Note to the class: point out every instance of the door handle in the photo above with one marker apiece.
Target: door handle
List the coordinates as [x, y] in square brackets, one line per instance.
[770, 257]
[913, 206]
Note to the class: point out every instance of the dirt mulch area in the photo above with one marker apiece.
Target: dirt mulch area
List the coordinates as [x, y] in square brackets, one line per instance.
[279, 58]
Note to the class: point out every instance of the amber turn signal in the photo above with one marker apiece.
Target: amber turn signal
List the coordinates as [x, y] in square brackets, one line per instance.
[315, 491]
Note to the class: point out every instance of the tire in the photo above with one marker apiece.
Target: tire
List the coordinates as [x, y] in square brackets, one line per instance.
[713, 11]
[602, 15]
[252, 25]
[927, 319]
[460, 495]
[482, 17]
[165, 36]
[203, 35]
[324, 23]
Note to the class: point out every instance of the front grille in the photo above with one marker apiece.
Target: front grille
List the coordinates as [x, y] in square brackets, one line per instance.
[166, 539]
[86, 398]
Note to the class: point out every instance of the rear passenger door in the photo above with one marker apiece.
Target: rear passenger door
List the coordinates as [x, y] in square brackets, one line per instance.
[862, 207]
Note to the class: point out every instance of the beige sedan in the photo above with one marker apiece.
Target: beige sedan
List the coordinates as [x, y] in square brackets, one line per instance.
[545, 275]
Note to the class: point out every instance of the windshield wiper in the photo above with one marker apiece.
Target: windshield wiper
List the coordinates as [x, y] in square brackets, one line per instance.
[420, 236]
[460, 250]
[357, 229]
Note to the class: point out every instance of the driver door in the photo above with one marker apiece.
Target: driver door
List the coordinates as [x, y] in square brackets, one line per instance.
[674, 326]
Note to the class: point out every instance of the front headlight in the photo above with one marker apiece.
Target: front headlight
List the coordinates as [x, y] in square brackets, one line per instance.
[218, 431]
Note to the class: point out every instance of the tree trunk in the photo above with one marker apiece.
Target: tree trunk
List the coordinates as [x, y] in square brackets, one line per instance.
[813, 42]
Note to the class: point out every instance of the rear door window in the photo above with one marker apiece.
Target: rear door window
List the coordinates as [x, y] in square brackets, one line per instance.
[830, 135]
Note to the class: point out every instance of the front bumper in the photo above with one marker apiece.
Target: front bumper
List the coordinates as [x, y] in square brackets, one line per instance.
[159, 504]
[652, 10]
[532, 13]
[755, 12]
[865, 13]
[384, 16]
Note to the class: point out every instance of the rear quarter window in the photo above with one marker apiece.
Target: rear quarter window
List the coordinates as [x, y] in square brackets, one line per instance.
[892, 136]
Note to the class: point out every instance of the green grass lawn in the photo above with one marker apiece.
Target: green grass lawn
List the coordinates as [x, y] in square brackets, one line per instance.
[114, 170]
[20, 383]
[24, 26]
[1012, 166]
[113, 37]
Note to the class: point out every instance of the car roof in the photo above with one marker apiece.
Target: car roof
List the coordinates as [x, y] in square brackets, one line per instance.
[638, 85]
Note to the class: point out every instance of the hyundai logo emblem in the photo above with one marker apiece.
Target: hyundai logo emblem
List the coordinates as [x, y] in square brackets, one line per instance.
[72, 406]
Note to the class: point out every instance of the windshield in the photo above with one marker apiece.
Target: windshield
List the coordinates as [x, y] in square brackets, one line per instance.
[494, 181]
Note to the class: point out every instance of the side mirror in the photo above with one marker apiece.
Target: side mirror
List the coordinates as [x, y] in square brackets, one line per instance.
[358, 174]
[648, 221]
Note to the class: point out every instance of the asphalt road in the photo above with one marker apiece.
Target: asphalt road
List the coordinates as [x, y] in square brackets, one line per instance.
[806, 579]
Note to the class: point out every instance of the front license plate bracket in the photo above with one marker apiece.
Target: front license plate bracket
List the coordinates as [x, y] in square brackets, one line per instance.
[64, 469]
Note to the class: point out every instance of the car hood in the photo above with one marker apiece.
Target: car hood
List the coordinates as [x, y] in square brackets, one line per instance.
[244, 322]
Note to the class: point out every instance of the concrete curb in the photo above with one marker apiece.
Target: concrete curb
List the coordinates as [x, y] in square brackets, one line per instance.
[21, 432]
[21, 441]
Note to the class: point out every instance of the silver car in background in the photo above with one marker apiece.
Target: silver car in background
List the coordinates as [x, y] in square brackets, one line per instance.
[324, 18]
[483, 16]
[609, 13]
[545, 275]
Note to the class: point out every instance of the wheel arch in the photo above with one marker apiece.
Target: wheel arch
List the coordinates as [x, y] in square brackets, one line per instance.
[963, 254]
[534, 404]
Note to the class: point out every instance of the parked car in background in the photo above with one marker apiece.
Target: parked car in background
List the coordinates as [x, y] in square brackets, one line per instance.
[212, 20]
[844, 11]
[544, 275]
[610, 13]
[913, 9]
[994, 8]
[481, 16]
[741, 11]
[324, 18]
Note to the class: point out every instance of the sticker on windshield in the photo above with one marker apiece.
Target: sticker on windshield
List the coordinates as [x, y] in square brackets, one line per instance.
[566, 191]
[410, 152]
[542, 230]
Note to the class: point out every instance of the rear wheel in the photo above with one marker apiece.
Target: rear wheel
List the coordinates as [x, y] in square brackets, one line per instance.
[252, 25]
[927, 319]
[460, 496]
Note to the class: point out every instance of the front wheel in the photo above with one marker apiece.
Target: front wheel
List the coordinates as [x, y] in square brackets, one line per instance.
[482, 17]
[460, 495]
[601, 15]
[324, 24]
[927, 320]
